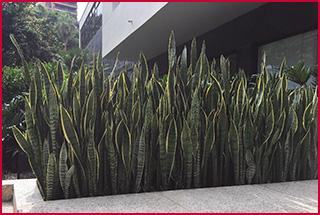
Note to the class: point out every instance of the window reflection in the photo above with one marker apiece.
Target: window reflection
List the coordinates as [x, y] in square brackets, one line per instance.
[92, 24]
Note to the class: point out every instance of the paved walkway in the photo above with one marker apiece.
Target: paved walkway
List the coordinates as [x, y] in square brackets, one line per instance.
[292, 197]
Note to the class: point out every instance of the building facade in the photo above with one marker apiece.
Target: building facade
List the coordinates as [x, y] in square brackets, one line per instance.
[241, 31]
[70, 7]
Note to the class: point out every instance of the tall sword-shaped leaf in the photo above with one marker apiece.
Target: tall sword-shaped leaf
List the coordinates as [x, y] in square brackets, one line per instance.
[141, 159]
[193, 54]
[187, 148]
[69, 131]
[82, 85]
[171, 50]
[93, 159]
[233, 138]
[60, 75]
[112, 158]
[63, 169]
[51, 179]
[207, 148]
[24, 63]
[184, 66]
[171, 146]
[54, 115]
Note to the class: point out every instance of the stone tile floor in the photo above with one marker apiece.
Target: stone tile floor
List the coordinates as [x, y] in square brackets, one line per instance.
[292, 197]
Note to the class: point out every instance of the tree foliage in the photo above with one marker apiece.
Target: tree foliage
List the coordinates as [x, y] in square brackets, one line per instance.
[40, 33]
[35, 35]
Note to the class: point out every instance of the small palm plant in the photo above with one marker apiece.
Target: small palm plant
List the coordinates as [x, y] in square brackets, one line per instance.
[299, 73]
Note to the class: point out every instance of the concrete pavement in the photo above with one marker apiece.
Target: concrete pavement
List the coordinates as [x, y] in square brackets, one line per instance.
[286, 197]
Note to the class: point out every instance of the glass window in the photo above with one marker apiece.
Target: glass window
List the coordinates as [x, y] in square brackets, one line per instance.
[296, 48]
[115, 5]
[91, 25]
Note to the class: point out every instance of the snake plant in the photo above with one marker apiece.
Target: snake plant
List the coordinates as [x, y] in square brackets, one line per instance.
[89, 134]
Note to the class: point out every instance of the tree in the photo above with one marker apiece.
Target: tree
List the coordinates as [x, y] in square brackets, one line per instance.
[34, 34]
[65, 28]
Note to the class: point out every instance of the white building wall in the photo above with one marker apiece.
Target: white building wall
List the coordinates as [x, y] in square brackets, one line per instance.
[117, 17]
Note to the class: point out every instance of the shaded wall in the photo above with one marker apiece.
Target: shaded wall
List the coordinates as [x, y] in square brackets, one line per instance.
[242, 36]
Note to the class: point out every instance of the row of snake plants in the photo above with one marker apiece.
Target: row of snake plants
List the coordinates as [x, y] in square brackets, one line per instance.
[90, 135]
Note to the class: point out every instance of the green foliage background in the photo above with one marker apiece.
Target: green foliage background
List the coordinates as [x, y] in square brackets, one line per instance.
[34, 27]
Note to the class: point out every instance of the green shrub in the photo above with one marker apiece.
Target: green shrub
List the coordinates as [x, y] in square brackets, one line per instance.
[13, 90]
[88, 135]
[74, 56]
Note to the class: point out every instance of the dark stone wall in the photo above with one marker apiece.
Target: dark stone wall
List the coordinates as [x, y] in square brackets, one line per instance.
[243, 35]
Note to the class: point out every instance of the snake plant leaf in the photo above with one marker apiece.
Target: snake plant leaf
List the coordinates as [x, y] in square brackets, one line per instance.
[193, 55]
[251, 169]
[24, 63]
[170, 88]
[207, 148]
[33, 96]
[69, 131]
[148, 114]
[171, 146]
[68, 181]
[60, 75]
[225, 76]
[233, 138]
[217, 84]
[282, 67]
[32, 132]
[76, 112]
[241, 93]
[82, 85]
[69, 93]
[51, 177]
[53, 115]
[111, 155]
[136, 114]
[97, 88]
[269, 126]
[313, 154]
[287, 155]
[205, 69]
[141, 159]
[260, 93]
[186, 145]
[296, 154]
[63, 168]
[89, 111]
[184, 66]
[195, 110]
[22, 141]
[171, 50]
[292, 121]
[144, 69]
[38, 86]
[306, 117]
[26, 146]
[222, 134]
[46, 153]
[123, 144]
[212, 96]
[154, 131]
[182, 98]
[93, 159]
[155, 71]
[196, 77]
